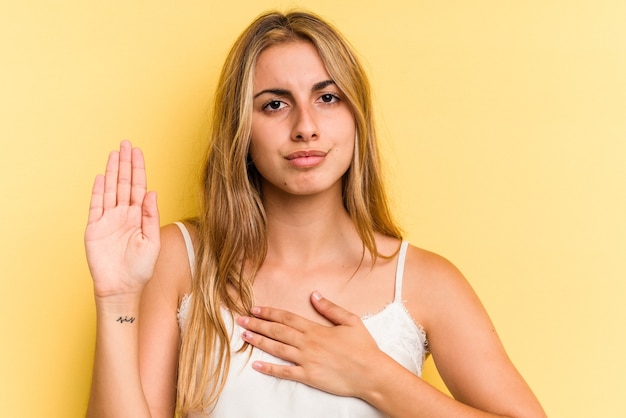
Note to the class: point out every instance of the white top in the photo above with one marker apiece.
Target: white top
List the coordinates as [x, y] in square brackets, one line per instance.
[250, 394]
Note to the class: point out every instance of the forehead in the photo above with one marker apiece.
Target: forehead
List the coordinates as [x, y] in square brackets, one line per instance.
[297, 63]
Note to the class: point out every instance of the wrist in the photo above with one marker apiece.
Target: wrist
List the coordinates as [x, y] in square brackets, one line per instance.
[374, 389]
[120, 304]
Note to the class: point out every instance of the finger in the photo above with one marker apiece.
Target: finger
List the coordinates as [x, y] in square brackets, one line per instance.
[284, 372]
[276, 348]
[282, 317]
[110, 180]
[150, 224]
[124, 176]
[334, 313]
[139, 183]
[272, 330]
[95, 204]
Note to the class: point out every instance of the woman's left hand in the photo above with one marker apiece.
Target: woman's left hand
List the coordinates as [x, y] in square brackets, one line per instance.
[339, 359]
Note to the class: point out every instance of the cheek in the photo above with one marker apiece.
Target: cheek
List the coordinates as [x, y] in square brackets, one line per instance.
[257, 141]
[347, 126]
[262, 137]
[259, 155]
[349, 135]
[255, 153]
[344, 154]
[256, 136]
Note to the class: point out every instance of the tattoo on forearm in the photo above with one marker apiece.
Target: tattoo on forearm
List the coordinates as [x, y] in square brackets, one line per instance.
[123, 319]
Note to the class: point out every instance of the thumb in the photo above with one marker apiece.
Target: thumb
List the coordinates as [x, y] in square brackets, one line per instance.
[334, 313]
[150, 224]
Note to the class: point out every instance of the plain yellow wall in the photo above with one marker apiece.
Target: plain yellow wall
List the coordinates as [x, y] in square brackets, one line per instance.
[503, 124]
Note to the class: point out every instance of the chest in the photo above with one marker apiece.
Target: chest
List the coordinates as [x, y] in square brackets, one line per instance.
[394, 332]
[360, 291]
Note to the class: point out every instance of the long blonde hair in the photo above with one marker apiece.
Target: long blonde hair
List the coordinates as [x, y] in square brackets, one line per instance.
[232, 224]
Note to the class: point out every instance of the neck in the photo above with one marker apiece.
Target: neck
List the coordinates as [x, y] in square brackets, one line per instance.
[306, 230]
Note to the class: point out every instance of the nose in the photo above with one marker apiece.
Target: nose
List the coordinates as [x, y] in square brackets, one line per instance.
[304, 126]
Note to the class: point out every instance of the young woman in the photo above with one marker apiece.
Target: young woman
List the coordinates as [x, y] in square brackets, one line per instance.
[292, 294]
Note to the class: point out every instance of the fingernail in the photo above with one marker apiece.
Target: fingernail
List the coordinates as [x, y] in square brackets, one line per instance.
[255, 310]
[243, 320]
[247, 335]
[316, 295]
[257, 365]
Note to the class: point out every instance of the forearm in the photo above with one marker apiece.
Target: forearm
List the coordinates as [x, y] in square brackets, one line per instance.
[116, 389]
[400, 394]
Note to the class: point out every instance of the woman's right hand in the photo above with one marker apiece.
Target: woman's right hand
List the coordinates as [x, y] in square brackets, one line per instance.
[122, 238]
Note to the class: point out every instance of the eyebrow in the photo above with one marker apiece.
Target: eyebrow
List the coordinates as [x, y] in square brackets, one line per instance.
[282, 92]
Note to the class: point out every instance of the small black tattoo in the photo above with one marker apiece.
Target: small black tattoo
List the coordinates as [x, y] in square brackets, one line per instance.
[123, 319]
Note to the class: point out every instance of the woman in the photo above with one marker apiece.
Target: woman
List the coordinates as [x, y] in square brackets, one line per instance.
[231, 315]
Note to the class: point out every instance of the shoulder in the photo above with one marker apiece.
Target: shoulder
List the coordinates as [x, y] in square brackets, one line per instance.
[426, 268]
[462, 339]
[435, 290]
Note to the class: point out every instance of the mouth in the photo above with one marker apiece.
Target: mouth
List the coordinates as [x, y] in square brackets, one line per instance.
[306, 159]
[306, 154]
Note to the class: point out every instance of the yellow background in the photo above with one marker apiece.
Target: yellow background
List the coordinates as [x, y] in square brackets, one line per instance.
[504, 130]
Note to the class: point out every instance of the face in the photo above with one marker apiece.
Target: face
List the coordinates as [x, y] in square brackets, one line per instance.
[303, 132]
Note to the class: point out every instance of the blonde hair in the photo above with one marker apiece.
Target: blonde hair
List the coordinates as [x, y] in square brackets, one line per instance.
[232, 223]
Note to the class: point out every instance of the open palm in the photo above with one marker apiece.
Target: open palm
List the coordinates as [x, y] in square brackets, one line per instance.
[122, 235]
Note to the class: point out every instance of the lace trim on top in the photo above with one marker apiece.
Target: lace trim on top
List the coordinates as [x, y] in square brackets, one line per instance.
[406, 332]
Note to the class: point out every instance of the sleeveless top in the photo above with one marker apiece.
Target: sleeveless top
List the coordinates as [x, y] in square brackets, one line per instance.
[250, 394]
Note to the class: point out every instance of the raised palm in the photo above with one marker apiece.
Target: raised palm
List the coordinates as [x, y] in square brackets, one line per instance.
[122, 237]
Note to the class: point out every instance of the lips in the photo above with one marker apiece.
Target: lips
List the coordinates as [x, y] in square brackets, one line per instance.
[306, 159]
[305, 154]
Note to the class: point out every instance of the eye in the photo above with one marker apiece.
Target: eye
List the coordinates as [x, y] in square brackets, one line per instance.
[329, 98]
[274, 105]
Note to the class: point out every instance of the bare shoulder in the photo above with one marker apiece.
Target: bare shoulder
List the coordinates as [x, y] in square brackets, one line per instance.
[465, 346]
[433, 286]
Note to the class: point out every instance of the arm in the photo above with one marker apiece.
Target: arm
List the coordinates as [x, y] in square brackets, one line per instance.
[461, 337]
[463, 341]
[465, 347]
[122, 242]
[159, 334]
[147, 378]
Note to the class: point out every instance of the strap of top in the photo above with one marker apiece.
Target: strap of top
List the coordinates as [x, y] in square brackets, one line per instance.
[400, 270]
[399, 267]
[188, 243]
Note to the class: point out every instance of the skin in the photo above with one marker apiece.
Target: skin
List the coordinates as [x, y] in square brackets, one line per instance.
[293, 97]
[314, 257]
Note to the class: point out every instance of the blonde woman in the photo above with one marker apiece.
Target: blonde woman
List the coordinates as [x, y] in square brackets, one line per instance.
[292, 294]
